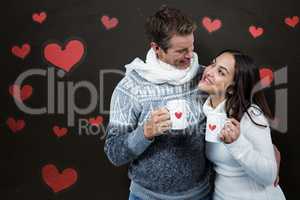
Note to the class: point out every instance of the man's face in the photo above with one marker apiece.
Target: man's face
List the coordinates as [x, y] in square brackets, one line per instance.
[180, 52]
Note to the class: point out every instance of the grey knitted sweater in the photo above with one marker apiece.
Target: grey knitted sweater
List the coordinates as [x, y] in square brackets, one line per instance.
[173, 165]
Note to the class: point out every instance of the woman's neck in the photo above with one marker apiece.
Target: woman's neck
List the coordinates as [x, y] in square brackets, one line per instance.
[215, 100]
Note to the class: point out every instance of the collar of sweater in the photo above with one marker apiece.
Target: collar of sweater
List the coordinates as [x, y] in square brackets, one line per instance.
[208, 109]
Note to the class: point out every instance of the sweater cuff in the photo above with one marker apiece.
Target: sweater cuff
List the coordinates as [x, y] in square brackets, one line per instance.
[137, 142]
[239, 147]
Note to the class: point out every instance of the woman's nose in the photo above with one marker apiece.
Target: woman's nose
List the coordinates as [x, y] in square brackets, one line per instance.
[209, 71]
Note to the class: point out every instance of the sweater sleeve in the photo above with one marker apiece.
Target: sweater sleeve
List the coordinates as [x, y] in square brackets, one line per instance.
[254, 150]
[125, 139]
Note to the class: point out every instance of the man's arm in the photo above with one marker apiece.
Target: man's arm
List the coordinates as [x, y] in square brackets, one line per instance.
[125, 140]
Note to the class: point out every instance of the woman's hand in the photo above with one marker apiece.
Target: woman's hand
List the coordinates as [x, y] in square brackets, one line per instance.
[230, 131]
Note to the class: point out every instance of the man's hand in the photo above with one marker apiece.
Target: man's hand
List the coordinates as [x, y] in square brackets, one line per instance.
[158, 122]
[278, 159]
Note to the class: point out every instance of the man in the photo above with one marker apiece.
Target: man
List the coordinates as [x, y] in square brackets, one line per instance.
[163, 164]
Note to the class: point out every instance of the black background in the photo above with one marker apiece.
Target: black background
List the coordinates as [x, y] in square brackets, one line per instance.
[23, 154]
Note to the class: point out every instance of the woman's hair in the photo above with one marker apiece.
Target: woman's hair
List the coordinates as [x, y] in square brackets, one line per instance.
[241, 95]
[167, 22]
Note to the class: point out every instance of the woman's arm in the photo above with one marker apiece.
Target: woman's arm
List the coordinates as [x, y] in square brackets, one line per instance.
[253, 149]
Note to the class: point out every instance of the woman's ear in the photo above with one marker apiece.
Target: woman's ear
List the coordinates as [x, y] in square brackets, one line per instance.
[230, 89]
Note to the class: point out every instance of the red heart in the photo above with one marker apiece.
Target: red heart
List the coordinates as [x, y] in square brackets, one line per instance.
[96, 121]
[59, 132]
[39, 17]
[211, 26]
[266, 76]
[58, 181]
[256, 31]
[15, 125]
[178, 115]
[21, 52]
[109, 23]
[64, 58]
[212, 127]
[22, 94]
[292, 22]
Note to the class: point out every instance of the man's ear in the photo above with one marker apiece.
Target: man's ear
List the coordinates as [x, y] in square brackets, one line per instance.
[158, 51]
[155, 47]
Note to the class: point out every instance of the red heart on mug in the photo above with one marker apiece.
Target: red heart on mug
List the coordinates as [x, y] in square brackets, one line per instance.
[58, 181]
[212, 127]
[178, 115]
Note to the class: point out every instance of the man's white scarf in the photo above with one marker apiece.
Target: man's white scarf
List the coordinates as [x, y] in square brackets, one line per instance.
[157, 71]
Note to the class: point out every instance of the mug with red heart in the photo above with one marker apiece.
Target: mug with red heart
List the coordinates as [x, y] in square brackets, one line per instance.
[214, 124]
[178, 109]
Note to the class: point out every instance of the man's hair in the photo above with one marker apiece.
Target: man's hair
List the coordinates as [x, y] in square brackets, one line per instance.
[167, 22]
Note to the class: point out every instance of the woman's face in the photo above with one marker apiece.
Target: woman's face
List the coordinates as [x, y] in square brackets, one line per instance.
[218, 75]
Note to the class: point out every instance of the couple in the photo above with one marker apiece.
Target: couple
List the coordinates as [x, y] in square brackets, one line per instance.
[180, 165]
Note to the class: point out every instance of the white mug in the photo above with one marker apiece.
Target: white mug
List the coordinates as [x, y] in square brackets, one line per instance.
[178, 110]
[214, 124]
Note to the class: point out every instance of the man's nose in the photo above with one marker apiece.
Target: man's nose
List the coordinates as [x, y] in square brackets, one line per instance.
[189, 55]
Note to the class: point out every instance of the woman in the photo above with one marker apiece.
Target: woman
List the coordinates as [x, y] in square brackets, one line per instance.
[244, 161]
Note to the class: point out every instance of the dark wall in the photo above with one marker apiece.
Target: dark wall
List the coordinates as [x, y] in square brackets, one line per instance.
[34, 146]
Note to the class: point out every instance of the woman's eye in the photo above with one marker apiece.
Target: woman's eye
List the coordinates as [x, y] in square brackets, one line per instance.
[221, 72]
